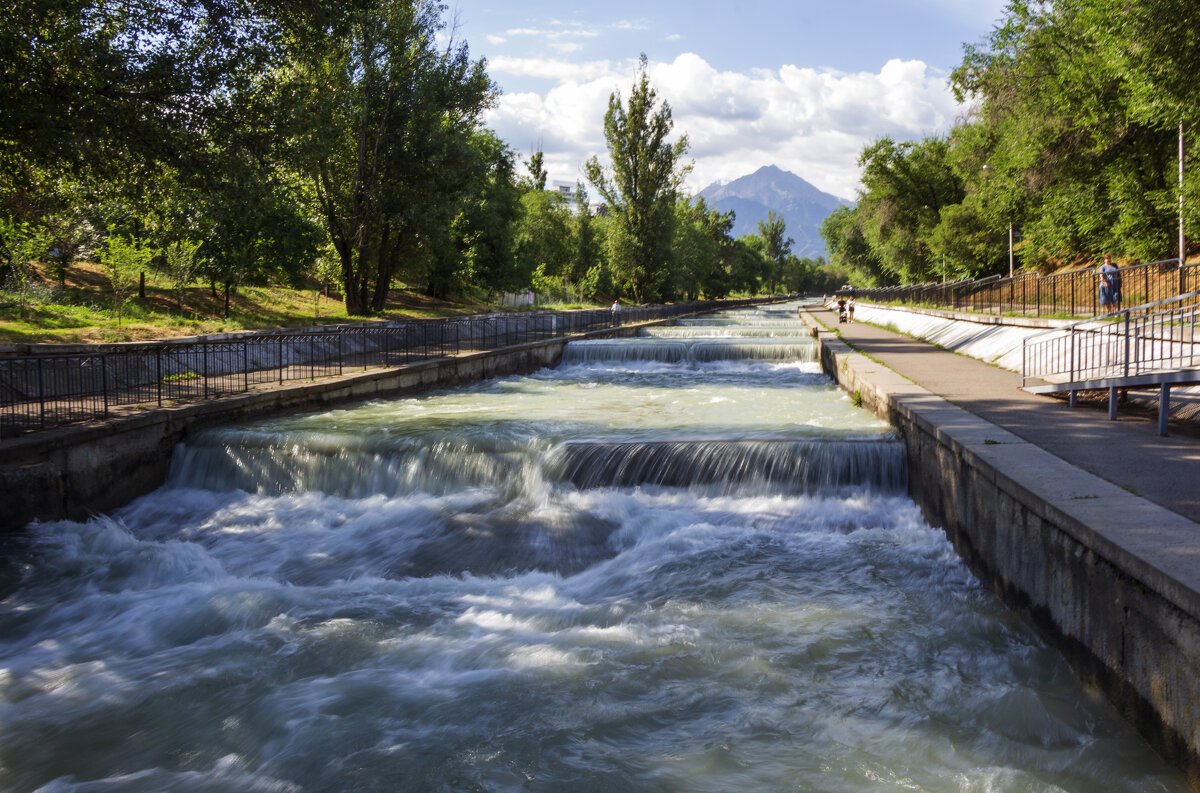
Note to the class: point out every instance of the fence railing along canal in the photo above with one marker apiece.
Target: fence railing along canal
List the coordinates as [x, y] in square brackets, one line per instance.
[50, 389]
[1070, 294]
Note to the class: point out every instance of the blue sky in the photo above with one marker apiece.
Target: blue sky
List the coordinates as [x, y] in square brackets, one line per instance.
[802, 85]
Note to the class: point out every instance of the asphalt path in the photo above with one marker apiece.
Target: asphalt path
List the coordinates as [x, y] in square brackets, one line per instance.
[1127, 452]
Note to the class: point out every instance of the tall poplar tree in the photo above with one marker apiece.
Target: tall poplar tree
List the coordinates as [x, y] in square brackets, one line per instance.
[640, 188]
[778, 247]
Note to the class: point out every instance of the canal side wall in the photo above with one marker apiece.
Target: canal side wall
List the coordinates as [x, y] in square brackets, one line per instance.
[77, 471]
[1107, 577]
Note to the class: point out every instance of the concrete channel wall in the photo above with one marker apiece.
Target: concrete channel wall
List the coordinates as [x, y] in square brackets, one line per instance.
[1104, 575]
[76, 471]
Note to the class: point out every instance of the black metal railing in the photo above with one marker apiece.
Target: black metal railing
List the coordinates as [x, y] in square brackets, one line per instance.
[1071, 294]
[51, 388]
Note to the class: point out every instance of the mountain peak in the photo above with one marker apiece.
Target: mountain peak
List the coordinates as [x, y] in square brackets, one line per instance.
[801, 205]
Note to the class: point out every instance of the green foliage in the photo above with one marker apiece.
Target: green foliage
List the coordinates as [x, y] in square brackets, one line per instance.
[381, 120]
[543, 238]
[843, 234]
[124, 260]
[585, 248]
[1072, 139]
[640, 188]
[20, 245]
[182, 262]
[537, 171]
[777, 247]
[487, 226]
[277, 133]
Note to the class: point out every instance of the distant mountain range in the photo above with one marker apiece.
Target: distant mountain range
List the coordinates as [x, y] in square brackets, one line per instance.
[802, 206]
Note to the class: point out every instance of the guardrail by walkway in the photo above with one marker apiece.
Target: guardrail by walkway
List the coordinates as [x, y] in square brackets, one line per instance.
[1073, 293]
[49, 389]
[1151, 344]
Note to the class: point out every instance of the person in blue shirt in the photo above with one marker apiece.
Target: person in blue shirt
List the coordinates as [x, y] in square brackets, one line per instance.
[1110, 286]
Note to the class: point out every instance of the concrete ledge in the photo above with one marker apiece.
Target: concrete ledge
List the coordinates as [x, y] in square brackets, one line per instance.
[1110, 578]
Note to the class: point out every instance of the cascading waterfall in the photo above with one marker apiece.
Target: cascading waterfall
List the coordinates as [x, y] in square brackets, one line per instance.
[725, 331]
[641, 571]
[697, 349]
[786, 467]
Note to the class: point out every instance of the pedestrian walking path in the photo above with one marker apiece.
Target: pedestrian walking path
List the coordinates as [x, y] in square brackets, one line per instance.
[1126, 452]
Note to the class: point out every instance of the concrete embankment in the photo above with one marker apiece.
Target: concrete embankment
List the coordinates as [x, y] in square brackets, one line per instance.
[75, 471]
[1110, 578]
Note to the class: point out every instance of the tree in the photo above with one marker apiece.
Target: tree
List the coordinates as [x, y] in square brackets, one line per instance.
[182, 264]
[705, 254]
[640, 187]
[777, 247]
[118, 89]
[485, 229]
[124, 259]
[537, 171]
[585, 250]
[904, 187]
[543, 239]
[21, 244]
[381, 122]
[843, 235]
[1077, 130]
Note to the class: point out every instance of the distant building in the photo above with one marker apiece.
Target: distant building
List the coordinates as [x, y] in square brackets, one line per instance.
[564, 189]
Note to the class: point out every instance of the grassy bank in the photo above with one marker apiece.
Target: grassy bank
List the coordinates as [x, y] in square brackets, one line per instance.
[82, 310]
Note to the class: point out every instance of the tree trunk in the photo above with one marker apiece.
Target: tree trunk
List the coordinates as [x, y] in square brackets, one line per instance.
[388, 256]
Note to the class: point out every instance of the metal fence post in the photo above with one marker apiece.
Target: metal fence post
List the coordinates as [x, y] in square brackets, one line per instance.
[1127, 340]
[103, 382]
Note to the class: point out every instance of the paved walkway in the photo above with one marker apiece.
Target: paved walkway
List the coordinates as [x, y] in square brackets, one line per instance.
[1127, 452]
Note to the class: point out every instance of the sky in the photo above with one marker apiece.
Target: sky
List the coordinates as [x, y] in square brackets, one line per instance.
[799, 84]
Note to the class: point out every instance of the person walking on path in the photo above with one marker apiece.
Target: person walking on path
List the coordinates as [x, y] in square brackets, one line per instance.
[1110, 286]
[850, 308]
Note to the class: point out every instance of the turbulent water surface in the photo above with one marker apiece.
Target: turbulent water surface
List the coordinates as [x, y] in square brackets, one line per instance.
[692, 570]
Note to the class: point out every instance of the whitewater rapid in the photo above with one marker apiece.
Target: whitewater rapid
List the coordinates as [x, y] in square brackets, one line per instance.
[631, 573]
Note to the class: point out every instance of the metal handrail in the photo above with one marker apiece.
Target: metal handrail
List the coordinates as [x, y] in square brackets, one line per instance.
[1158, 337]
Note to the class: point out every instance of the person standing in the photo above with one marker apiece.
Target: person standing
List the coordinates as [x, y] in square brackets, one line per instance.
[616, 313]
[850, 308]
[1110, 286]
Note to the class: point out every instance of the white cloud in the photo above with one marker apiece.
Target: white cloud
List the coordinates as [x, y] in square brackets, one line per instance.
[810, 121]
[562, 72]
[557, 33]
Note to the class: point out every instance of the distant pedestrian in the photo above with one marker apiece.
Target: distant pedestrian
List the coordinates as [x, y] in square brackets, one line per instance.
[1110, 286]
[616, 313]
[850, 308]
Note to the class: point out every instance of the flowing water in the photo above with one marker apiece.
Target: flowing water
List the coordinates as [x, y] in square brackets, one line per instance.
[692, 570]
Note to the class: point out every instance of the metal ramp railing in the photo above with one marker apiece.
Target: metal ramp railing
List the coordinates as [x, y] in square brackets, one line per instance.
[1154, 344]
